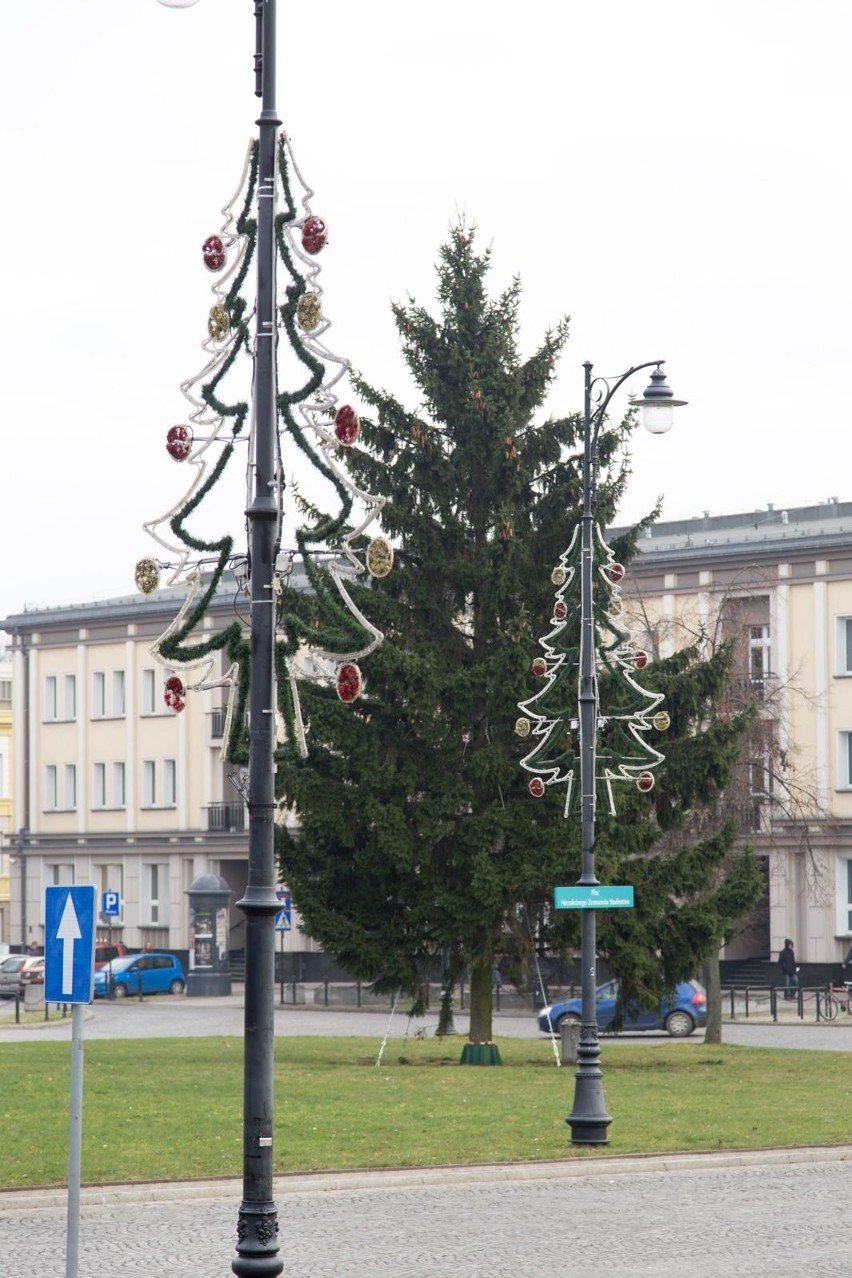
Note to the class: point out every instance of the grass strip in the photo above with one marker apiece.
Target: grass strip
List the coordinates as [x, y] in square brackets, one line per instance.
[162, 1109]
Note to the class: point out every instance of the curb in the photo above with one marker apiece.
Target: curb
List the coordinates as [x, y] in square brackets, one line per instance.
[384, 1180]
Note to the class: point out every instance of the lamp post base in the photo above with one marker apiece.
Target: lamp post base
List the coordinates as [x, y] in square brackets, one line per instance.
[588, 1120]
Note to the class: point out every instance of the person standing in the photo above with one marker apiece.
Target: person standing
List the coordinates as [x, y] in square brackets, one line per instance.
[787, 963]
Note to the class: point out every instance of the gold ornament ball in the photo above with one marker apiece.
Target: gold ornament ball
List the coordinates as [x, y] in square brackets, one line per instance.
[309, 311]
[558, 576]
[522, 727]
[661, 721]
[379, 557]
[218, 323]
[147, 575]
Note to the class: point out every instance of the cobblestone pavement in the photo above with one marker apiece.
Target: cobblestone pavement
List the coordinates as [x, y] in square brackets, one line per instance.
[657, 1219]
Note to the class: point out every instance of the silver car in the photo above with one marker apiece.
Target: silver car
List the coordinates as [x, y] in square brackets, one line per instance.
[18, 970]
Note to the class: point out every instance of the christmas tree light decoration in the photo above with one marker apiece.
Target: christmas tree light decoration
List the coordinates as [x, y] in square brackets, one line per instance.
[522, 727]
[661, 721]
[348, 682]
[179, 442]
[174, 694]
[347, 425]
[314, 235]
[213, 253]
[379, 557]
[218, 323]
[309, 311]
[147, 576]
[625, 708]
[318, 623]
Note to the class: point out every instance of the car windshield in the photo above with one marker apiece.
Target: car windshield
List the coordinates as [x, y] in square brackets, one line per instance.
[121, 964]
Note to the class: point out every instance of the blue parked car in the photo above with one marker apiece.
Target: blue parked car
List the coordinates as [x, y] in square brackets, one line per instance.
[157, 974]
[687, 1012]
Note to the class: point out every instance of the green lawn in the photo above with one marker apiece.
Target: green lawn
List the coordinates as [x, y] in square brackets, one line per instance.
[172, 1108]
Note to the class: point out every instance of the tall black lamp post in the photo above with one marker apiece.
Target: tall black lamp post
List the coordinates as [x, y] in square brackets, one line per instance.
[588, 1120]
[257, 1223]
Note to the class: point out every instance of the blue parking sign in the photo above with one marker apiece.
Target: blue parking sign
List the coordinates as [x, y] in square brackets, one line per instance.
[110, 904]
[69, 944]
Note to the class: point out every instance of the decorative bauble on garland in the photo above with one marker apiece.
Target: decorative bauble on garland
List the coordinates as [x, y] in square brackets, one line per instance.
[539, 667]
[314, 235]
[522, 727]
[213, 253]
[348, 682]
[347, 425]
[615, 572]
[558, 576]
[645, 782]
[309, 311]
[560, 611]
[536, 787]
[218, 323]
[174, 694]
[379, 557]
[179, 442]
[147, 576]
[661, 721]
[640, 659]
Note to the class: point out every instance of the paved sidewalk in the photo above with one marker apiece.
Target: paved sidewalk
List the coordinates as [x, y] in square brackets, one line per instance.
[763, 1215]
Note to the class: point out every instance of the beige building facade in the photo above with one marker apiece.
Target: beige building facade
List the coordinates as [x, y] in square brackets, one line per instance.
[7, 825]
[780, 582]
[111, 786]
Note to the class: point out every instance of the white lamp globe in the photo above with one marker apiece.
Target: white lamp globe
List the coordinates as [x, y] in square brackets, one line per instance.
[658, 404]
[178, 4]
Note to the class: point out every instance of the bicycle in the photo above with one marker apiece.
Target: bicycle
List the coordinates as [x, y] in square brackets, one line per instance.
[838, 999]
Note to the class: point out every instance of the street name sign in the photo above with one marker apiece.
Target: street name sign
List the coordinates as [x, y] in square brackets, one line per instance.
[69, 944]
[593, 898]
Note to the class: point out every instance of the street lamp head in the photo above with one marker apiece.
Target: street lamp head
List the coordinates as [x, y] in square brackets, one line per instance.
[658, 404]
[178, 4]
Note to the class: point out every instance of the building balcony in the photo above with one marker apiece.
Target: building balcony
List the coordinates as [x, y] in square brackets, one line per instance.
[217, 723]
[226, 818]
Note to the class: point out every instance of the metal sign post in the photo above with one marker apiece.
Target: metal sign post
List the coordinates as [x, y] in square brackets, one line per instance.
[69, 976]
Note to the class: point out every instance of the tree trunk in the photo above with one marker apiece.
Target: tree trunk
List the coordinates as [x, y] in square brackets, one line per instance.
[480, 1001]
[712, 983]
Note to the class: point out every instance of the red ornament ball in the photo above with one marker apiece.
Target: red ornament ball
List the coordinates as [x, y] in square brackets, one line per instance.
[179, 442]
[213, 253]
[536, 787]
[314, 235]
[616, 572]
[347, 424]
[640, 660]
[560, 612]
[174, 694]
[645, 782]
[539, 667]
[348, 682]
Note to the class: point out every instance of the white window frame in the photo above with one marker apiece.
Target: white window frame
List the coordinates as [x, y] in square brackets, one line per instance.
[49, 715]
[99, 797]
[118, 694]
[119, 785]
[51, 787]
[61, 873]
[69, 698]
[98, 695]
[843, 647]
[169, 796]
[149, 691]
[69, 787]
[844, 760]
[149, 783]
[155, 894]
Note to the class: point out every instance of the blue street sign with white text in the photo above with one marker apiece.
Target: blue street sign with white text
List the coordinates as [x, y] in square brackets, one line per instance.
[69, 944]
[593, 898]
[110, 904]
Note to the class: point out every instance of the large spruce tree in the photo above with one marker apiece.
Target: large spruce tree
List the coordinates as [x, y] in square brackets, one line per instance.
[417, 832]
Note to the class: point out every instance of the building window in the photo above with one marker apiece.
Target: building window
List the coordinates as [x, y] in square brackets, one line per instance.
[69, 699]
[844, 761]
[69, 787]
[50, 698]
[843, 661]
[5, 689]
[118, 694]
[61, 875]
[98, 695]
[169, 783]
[99, 785]
[148, 687]
[155, 903]
[149, 783]
[759, 654]
[51, 794]
[118, 789]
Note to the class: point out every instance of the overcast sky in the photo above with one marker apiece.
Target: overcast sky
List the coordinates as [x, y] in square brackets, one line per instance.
[674, 176]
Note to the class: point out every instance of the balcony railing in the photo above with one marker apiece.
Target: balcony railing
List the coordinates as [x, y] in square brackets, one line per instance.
[217, 723]
[226, 818]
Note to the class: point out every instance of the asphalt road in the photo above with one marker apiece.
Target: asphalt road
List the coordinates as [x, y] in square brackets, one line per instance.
[166, 1016]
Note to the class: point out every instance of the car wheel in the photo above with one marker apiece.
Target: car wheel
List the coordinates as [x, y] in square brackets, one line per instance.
[120, 991]
[176, 987]
[679, 1024]
[570, 1018]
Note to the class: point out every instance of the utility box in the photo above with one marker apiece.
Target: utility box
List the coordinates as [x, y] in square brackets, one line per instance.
[208, 937]
[570, 1031]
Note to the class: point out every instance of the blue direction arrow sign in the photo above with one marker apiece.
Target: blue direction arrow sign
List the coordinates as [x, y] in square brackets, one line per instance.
[69, 944]
[593, 898]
